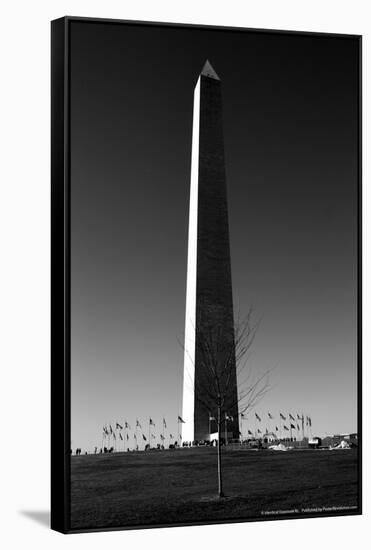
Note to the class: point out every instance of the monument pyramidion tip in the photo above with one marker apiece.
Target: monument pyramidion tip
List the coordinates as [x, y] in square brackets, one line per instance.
[209, 71]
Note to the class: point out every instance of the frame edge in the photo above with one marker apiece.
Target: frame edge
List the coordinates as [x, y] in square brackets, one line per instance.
[60, 414]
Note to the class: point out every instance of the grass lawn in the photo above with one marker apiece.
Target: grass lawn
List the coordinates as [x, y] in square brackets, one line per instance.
[179, 486]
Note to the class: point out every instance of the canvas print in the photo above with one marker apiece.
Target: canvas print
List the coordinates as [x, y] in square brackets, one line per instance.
[213, 268]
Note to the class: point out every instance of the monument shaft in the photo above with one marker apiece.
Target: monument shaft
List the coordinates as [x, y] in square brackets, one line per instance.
[209, 268]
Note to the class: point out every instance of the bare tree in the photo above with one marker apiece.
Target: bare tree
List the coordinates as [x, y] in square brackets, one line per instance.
[223, 357]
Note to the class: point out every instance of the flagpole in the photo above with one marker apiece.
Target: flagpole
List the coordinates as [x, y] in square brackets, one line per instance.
[302, 426]
[280, 427]
[226, 428]
[149, 432]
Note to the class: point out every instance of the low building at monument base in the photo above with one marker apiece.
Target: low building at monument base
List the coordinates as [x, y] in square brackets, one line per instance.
[215, 436]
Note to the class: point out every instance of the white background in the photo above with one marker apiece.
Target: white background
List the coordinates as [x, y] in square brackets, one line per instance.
[25, 284]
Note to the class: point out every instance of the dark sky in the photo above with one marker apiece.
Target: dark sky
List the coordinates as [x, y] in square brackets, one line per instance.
[290, 127]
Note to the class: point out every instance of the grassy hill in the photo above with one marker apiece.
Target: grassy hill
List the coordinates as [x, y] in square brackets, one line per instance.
[179, 486]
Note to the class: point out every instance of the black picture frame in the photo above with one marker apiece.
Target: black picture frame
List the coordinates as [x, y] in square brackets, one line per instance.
[61, 271]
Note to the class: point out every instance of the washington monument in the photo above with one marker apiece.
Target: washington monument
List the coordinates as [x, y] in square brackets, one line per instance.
[209, 302]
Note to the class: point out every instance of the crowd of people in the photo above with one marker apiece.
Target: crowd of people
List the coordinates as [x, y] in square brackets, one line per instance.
[251, 442]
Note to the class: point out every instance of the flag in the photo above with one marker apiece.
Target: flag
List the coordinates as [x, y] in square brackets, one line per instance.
[292, 426]
[180, 419]
[180, 436]
[144, 437]
[276, 429]
[121, 437]
[137, 425]
[249, 432]
[162, 437]
[270, 416]
[135, 437]
[127, 427]
[105, 430]
[291, 417]
[310, 421]
[283, 417]
[298, 416]
[259, 432]
[258, 417]
[118, 426]
[114, 436]
[286, 428]
[306, 421]
[127, 437]
[110, 429]
[164, 423]
[297, 427]
[151, 423]
[171, 436]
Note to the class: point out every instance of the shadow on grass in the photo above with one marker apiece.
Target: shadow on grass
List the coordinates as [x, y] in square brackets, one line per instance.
[42, 517]
[221, 500]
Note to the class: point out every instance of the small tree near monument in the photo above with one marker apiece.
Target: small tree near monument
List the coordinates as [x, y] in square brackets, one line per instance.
[223, 359]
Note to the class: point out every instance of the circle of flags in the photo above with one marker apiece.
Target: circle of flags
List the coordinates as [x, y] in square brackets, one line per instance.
[119, 436]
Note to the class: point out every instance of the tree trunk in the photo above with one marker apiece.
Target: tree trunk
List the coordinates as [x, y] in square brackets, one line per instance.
[220, 481]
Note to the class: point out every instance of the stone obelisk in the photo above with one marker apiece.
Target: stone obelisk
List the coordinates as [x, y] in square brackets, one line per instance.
[209, 303]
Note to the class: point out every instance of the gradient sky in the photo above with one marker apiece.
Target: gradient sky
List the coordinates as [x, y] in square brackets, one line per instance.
[290, 126]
